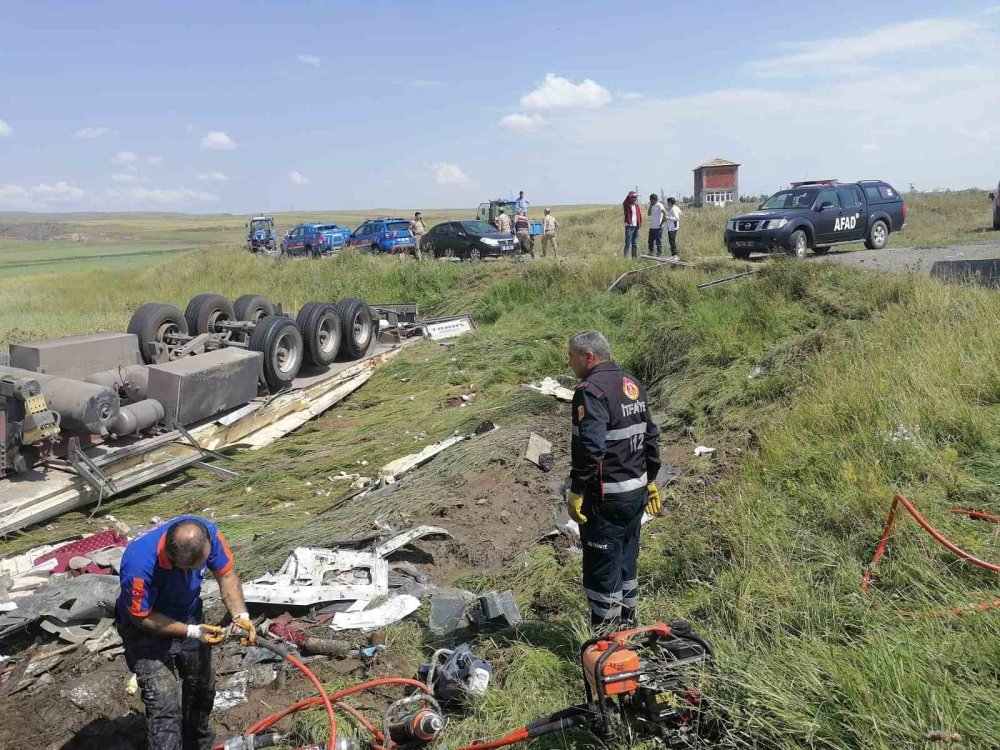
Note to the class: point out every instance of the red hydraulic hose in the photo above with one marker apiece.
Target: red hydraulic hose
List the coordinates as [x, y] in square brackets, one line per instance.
[940, 539]
[518, 735]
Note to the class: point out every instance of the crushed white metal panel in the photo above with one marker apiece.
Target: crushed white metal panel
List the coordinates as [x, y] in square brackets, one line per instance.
[311, 575]
[551, 387]
[47, 492]
[439, 329]
[393, 469]
[390, 611]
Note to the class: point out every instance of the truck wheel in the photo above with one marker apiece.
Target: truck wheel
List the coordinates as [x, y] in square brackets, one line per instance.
[356, 326]
[252, 308]
[798, 243]
[153, 323]
[740, 254]
[205, 310]
[878, 236]
[319, 324]
[821, 250]
[279, 340]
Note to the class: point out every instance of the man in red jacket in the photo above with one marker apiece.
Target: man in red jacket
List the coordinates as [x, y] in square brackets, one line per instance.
[633, 220]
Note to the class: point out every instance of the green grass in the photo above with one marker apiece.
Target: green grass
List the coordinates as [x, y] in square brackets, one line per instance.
[800, 376]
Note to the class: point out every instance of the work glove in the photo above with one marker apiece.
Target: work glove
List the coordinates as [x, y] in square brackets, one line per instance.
[242, 622]
[210, 634]
[653, 505]
[574, 505]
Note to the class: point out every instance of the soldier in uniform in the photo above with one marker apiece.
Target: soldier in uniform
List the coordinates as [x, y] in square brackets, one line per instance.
[616, 456]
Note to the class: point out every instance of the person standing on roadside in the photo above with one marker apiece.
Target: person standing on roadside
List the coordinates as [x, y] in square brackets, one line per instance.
[657, 218]
[521, 205]
[549, 226]
[418, 229]
[673, 225]
[522, 230]
[503, 222]
[633, 220]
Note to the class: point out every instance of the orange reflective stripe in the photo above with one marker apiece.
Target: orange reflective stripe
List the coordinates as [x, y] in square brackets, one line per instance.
[225, 548]
[138, 589]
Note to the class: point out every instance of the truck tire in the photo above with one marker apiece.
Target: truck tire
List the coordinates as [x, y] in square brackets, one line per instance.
[153, 322]
[321, 332]
[356, 326]
[279, 340]
[878, 235]
[252, 308]
[205, 310]
[798, 243]
[740, 254]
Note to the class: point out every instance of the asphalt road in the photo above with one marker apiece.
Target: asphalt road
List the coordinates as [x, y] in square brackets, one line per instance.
[912, 260]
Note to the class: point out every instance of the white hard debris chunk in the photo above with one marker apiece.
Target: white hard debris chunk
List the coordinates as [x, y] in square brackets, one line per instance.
[703, 450]
[551, 387]
[393, 610]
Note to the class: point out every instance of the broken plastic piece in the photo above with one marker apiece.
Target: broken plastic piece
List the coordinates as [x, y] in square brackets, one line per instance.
[498, 609]
[550, 387]
[703, 450]
[448, 610]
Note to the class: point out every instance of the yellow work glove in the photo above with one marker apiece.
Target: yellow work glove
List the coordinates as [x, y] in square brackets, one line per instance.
[242, 622]
[574, 505]
[653, 505]
[210, 634]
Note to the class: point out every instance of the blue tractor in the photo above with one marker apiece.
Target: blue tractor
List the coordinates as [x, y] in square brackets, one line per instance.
[489, 211]
[261, 237]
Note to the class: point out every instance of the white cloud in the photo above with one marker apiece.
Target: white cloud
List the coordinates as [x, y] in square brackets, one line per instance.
[297, 178]
[518, 123]
[312, 60]
[89, 134]
[124, 157]
[218, 141]
[36, 196]
[213, 177]
[5, 129]
[127, 177]
[154, 161]
[448, 174]
[142, 196]
[557, 92]
[811, 57]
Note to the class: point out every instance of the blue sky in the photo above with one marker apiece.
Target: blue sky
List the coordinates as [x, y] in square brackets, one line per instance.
[249, 106]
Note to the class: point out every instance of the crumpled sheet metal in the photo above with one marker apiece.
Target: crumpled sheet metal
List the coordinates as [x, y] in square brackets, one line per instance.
[86, 598]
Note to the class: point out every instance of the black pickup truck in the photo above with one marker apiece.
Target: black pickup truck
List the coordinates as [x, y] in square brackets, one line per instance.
[818, 215]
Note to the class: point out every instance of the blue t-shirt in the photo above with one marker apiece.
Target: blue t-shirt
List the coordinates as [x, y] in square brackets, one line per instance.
[149, 581]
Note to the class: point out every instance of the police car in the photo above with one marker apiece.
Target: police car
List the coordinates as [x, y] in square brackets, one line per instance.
[817, 215]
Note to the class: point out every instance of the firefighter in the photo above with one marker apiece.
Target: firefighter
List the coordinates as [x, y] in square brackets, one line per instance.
[616, 455]
[159, 616]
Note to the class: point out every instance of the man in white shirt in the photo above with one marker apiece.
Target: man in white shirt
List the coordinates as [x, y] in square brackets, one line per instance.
[673, 224]
[657, 218]
[549, 226]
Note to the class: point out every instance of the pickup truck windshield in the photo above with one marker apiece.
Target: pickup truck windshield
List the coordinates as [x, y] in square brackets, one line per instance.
[803, 198]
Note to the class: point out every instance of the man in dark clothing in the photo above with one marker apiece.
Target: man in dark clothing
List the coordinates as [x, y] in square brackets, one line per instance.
[159, 614]
[616, 456]
[633, 220]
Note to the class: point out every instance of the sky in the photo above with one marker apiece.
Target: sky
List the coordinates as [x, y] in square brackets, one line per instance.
[251, 106]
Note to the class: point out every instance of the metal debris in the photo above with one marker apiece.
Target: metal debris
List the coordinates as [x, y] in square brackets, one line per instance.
[550, 387]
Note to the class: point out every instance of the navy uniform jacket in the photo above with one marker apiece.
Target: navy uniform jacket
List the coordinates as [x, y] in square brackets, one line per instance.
[615, 445]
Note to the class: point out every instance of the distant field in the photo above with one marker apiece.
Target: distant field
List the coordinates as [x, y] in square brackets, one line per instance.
[21, 257]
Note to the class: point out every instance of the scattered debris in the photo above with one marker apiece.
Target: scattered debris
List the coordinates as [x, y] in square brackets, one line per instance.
[132, 685]
[448, 611]
[455, 610]
[458, 676]
[551, 387]
[703, 450]
[904, 435]
[496, 609]
[233, 693]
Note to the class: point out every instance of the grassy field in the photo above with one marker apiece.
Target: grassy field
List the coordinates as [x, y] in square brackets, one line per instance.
[824, 389]
[137, 240]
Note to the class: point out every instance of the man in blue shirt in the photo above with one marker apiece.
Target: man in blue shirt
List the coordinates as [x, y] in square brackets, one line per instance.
[521, 205]
[159, 614]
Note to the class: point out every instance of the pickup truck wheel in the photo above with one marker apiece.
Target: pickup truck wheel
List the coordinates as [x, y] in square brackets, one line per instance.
[153, 323]
[204, 311]
[279, 340]
[821, 250]
[356, 326]
[319, 324]
[740, 254]
[878, 236]
[798, 243]
[252, 308]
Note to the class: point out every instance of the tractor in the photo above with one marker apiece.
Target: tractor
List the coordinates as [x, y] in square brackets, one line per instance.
[489, 211]
[261, 237]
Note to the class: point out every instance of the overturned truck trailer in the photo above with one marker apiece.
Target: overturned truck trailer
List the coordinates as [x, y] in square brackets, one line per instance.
[84, 418]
